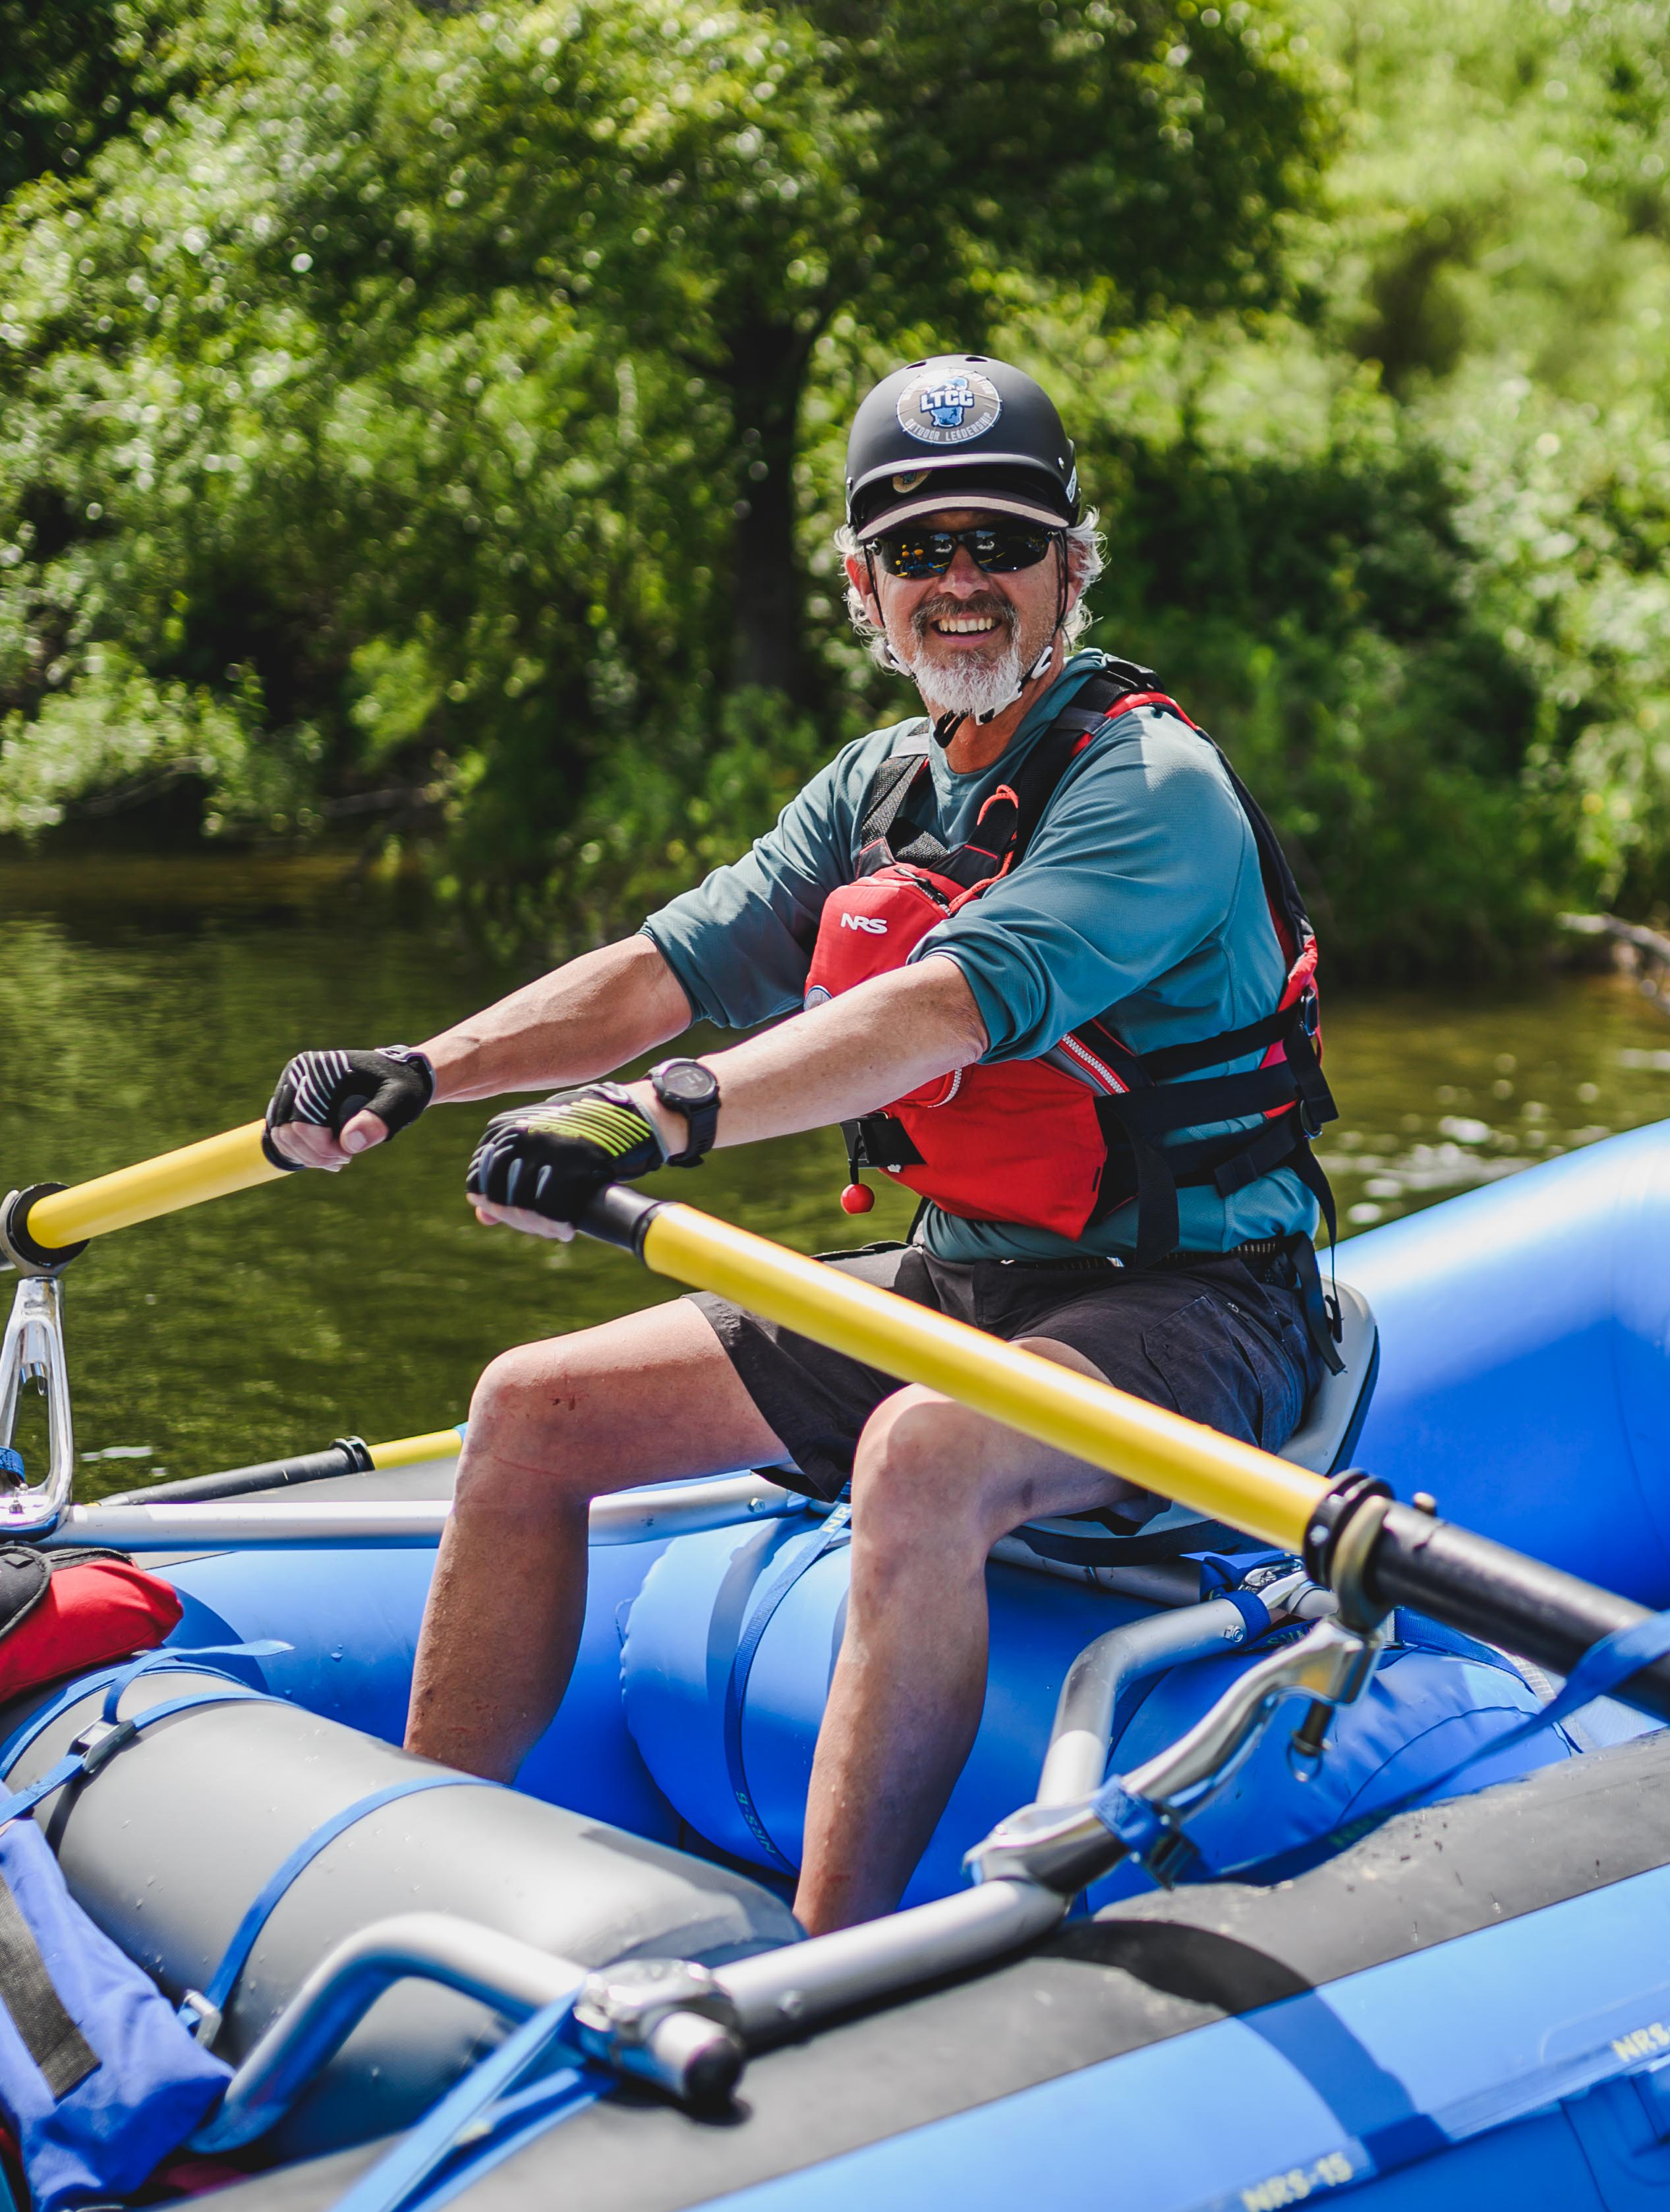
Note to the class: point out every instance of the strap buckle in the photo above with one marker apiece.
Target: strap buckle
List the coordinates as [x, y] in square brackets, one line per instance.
[100, 1741]
[199, 2017]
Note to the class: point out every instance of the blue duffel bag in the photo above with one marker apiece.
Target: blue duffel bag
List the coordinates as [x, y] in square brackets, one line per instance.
[98, 2078]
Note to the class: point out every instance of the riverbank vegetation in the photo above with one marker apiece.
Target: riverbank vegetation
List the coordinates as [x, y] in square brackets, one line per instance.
[427, 422]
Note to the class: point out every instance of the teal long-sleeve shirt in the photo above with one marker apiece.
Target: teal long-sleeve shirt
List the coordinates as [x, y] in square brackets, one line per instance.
[1139, 898]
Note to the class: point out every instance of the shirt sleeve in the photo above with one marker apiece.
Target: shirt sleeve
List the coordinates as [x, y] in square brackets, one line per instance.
[1136, 865]
[741, 942]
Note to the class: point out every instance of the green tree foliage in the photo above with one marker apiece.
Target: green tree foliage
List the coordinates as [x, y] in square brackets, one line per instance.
[442, 410]
[442, 374]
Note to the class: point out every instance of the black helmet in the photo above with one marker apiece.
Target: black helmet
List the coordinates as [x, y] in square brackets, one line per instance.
[961, 429]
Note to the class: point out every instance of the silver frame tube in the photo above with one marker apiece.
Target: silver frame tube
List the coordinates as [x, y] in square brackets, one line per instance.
[628, 1516]
[1078, 1756]
[512, 1977]
[783, 1992]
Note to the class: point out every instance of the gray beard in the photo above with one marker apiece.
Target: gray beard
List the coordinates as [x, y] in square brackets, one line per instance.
[967, 686]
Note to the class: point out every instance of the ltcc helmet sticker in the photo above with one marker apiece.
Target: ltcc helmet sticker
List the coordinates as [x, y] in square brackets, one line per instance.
[948, 408]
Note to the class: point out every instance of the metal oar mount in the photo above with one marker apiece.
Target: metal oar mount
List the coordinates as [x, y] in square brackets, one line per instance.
[1351, 1532]
[42, 1229]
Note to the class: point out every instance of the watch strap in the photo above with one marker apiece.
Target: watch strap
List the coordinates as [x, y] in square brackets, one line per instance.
[701, 1122]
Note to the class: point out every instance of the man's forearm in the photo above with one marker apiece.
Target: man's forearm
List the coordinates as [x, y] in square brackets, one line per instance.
[582, 1020]
[858, 1052]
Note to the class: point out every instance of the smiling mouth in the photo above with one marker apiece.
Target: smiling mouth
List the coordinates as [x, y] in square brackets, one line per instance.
[964, 625]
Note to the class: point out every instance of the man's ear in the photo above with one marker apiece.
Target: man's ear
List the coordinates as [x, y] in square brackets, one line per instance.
[858, 575]
[1075, 589]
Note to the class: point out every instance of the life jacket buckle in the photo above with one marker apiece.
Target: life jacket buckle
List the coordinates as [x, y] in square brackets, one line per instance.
[1311, 1012]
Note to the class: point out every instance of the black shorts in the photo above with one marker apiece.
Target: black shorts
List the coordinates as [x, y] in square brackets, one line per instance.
[1219, 1337]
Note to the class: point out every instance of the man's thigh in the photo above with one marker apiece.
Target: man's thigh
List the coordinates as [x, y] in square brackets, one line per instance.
[650, 1396]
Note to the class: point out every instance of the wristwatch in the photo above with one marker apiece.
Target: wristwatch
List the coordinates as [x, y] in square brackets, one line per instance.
[686, 1087]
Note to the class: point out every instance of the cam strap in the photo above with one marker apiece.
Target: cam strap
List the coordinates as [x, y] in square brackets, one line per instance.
[202, 2011]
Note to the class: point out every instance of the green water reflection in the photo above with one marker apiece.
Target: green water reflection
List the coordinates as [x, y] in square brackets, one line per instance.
[144, 1004]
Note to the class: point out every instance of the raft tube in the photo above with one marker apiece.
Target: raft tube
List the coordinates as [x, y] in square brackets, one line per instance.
[1525, 1360]
[170, 1842]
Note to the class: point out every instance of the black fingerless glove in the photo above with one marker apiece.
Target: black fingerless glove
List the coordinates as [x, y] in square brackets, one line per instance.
[555, 1158]
[328, 1088]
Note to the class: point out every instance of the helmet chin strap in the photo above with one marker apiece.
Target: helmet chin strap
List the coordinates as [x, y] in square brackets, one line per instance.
[947, 725]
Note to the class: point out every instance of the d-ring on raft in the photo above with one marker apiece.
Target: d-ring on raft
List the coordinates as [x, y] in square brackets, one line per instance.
[1414, 1946]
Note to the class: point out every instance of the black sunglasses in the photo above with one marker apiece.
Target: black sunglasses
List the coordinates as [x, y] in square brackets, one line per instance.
[998, 547]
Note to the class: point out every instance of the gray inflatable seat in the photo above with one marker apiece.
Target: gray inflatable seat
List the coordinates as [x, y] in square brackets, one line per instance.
[1323, 1441]
[1332, 1423]
[169, 1843]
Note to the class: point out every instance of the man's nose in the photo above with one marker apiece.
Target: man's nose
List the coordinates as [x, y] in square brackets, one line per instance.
[965, 575]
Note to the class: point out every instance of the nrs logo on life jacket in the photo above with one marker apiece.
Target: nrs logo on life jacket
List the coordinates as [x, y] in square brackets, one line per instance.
[1063, 1141]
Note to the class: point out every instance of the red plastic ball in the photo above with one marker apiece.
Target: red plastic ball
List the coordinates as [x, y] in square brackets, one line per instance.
[857, 1198]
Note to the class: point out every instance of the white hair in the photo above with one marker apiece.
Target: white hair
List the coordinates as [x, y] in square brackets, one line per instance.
[1086, 555]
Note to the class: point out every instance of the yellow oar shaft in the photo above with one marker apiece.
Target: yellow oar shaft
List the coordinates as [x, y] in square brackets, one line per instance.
[1158, 1450]
[214, 1169]
[410, 1451]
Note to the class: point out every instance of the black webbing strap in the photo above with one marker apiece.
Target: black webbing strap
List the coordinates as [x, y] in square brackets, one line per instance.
[1157, 1111]
[1172, 1060]
[1316, 1099]
[1035, 782]
[1136, 1550]
[52, 2039]
[1321, 1312]
[879, 1141]
[1152, 1183]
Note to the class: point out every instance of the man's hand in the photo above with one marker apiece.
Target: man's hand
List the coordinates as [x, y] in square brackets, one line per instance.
[330, 1105]
[538, 1168]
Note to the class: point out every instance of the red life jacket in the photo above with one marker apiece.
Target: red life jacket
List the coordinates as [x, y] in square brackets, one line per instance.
[1063, 1141]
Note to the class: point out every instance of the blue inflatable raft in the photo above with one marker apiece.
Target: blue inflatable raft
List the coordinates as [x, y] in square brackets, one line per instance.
[1397, 1942]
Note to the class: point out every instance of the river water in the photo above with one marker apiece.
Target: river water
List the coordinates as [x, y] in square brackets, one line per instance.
[145, 1003]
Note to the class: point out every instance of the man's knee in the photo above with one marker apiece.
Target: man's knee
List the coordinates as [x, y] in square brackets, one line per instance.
[522, 1413]
[917, 1470]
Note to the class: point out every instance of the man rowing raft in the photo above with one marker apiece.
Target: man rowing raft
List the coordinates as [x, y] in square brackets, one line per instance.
[1038, 950]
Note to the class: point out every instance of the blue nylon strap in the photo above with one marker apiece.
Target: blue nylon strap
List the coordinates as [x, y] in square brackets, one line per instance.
[806, 1552]
[1600, 1670]
[116, 1679]
[247, 1933]
[164, 1659]
[1612, 1660]
[1251, 1608]
[509, 2126]
[1129, 1817]
[398, 2177]
[17, 1802]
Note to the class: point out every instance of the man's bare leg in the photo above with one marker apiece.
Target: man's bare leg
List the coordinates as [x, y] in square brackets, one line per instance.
[553, 1425]
[934, 1486]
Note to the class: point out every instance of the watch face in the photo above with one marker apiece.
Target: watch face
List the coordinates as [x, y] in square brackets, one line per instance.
[694, 1084]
